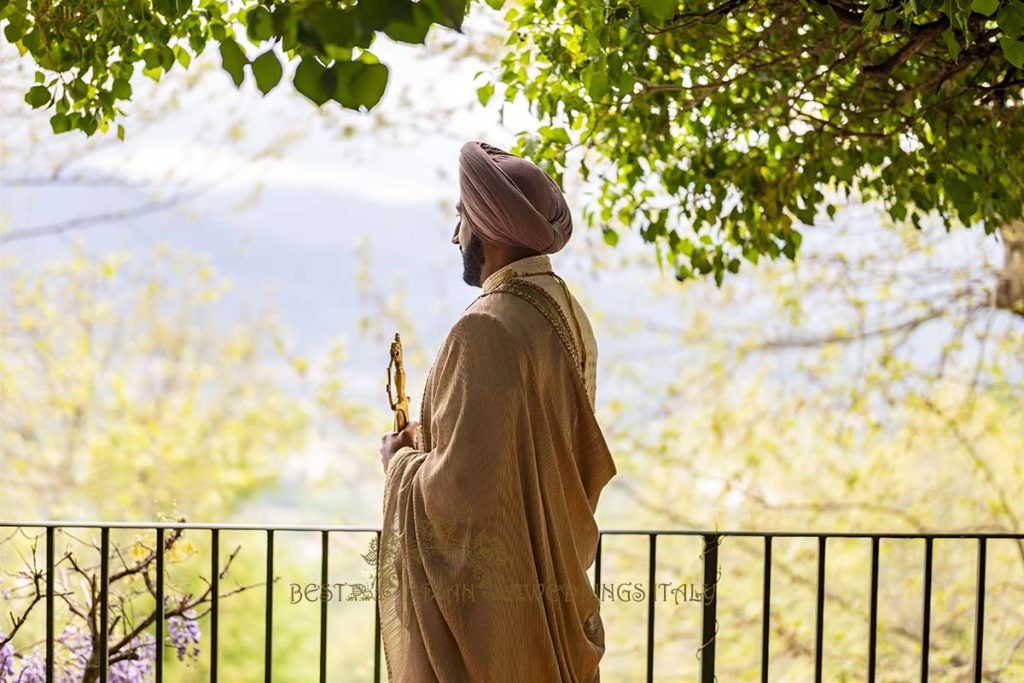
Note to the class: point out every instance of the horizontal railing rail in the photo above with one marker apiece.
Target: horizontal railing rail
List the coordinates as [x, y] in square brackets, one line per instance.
[709, 595]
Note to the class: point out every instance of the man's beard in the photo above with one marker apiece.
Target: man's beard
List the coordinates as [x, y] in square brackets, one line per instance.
[473, 261]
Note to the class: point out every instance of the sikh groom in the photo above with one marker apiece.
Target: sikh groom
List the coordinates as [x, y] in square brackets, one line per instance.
[489, 499]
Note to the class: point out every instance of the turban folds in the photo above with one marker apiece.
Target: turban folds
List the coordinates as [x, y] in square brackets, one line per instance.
[509, 200]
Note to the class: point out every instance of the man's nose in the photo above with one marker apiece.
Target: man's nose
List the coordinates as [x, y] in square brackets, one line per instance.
[455, 235]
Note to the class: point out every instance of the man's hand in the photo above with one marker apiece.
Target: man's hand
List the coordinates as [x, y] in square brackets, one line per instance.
[392, 441]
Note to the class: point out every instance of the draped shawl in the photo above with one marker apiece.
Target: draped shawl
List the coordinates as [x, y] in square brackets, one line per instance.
[489, 525]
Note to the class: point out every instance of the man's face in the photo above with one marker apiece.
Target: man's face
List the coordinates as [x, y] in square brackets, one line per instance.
[472, 249]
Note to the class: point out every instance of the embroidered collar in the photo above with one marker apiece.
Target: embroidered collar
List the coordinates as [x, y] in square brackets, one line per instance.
[538, 263]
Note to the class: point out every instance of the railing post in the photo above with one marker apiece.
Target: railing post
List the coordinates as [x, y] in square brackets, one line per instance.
[709, 626]
[819, 618]
[376, 615]
[268, 637]
[49, 603]
[159, 605]
[926, 620]
[766, 608]
[652, 560]
[324, 550]
[873, 613]
[979, 615]
[104, 599]
[214, 599]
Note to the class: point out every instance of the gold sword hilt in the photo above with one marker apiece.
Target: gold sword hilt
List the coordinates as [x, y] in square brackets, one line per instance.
[400, 404]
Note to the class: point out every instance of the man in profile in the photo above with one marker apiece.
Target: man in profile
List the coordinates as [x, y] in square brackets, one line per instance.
[489, 499]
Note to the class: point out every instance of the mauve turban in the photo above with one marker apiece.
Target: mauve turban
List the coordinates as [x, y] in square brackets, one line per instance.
[509, 200]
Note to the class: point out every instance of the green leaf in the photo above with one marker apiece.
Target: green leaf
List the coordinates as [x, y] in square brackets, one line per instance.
[658, 10]
[60, 123]
[496, 4]
[233, 60]
[120, 132]
[831, 18]
[627, 82]
[872, 20]
[259, 24]
[413, 31]
[121, 89]
[596, 80]
[172, 9]
[151, 57]
[611, 238]
[183, 57]
[37, 96]
[309, 80]
[484, 93]
[267, 70]
[1013, 50]
[367, 84]
[960, 193]
[951, 44]
[1011, 19]
[986, 7]
[554, 134]
[15, 29]
[338, 53]
[166, 58]
[448, 13]
[78, 89]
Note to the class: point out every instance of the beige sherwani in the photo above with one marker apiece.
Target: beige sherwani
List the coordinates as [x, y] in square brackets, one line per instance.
[489, 522]
[533, 268]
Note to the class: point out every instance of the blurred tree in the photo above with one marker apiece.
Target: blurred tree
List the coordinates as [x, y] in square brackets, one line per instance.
[122, 391]
[873, 388]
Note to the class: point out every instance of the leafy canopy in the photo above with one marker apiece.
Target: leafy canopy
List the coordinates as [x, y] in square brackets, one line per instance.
[87, 51]
[717, 128]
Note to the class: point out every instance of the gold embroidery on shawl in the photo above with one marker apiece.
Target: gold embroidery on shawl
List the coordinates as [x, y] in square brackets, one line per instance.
[549, 308]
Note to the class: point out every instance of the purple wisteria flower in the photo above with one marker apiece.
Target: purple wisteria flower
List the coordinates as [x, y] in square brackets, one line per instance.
[137, 666]
[141, 668]
[184, 631]
[29, 669]
[6, 661]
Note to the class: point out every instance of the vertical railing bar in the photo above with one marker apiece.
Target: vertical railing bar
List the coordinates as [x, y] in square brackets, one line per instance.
[709, 613]
[873, 614]
[979, 618]
[159, 619]
[214, 600]
[324, 550]
[766, 608]
[49, 603]
[926, 619]
[597, 566]
[376, 616]
[819, 619]
[268, 643]
[652, 560]
[104, 599]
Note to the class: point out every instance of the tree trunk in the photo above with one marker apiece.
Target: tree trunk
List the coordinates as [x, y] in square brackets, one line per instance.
[1010, 286]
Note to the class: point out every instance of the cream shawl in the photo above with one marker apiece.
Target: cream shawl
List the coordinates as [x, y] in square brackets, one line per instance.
[489, 525]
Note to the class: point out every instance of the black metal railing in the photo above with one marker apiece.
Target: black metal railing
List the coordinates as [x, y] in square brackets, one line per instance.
[709, 596]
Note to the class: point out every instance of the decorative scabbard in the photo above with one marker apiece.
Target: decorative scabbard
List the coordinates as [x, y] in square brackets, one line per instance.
[399, 401]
